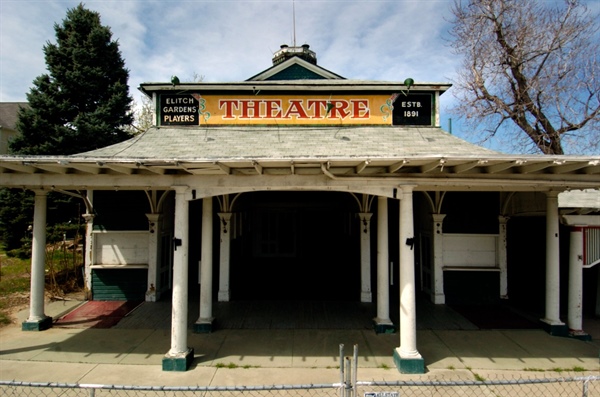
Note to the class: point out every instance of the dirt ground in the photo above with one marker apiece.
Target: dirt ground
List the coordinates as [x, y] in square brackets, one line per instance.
[18, 301]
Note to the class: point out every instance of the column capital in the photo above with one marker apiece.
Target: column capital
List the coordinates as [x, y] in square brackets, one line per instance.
[40, 192]
[225, 215]
[438, 217]
[365, 216]
[503, 219]
[88, 217]
[180, 189]
[407, 189]
[154, 217]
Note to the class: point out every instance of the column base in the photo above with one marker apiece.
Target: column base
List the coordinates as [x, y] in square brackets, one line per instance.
[555, 328]
[204, 326]
[409, 365]
[383, 326]
[439, 299]
[40, 325]
[223, 296]
[366, 297]
[580, 335]
[178, 362]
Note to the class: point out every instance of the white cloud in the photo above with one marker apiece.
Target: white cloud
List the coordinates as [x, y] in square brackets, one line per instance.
[233, 40]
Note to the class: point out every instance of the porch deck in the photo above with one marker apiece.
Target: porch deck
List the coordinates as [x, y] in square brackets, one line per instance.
[293, 315]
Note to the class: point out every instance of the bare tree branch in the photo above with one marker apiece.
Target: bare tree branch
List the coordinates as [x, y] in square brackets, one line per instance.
[532, 63]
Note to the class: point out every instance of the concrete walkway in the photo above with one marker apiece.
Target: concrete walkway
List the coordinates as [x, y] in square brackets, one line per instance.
[279, 356]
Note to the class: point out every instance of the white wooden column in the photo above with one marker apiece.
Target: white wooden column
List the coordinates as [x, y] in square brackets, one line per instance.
[225, 256]
[407, 357]
[439, 298]
[204, 322]
[88, 256]
[365, 256]
[180, 356]
[575, 315]
[383, 324]
[153, 242]
[37, 320]
[552, 315]
[502, 256]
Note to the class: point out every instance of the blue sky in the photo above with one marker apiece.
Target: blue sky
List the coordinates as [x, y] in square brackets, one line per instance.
[233, 40]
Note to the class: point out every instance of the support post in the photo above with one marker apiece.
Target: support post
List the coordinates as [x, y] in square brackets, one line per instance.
[225, 256]
[551, 321]
[439, 298]
[153, 241]
[88, 254]
[365, 256]
[205, 320]
[180, 356]
[575, 314]
[383, 324]
[406, 357]
[502, 256]
[37, 320]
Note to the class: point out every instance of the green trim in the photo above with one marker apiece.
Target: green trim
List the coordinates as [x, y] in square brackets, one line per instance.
[384, 328]
[580, 336]
[41, 325]
[409, 365]
[178, 363]
[555, 330]
[203, 328]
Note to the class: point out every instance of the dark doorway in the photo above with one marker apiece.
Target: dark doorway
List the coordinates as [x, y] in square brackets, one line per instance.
[296, 246]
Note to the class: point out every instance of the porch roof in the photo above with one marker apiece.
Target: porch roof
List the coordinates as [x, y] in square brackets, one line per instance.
[423, 154]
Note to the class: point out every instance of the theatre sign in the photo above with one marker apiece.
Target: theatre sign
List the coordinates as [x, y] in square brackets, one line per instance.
[195, 109]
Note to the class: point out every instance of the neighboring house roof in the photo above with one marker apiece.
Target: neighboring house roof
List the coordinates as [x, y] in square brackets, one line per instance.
[8, 123]
[9, 113]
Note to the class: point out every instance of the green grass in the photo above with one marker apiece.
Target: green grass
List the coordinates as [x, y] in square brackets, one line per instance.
[14, 280]
[234, 366]
[15, 276]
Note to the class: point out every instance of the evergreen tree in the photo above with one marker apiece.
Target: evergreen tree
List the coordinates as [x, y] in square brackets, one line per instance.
[83, 103]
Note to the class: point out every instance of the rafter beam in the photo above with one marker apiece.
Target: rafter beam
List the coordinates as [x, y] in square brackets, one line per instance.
[120, 169]
[396, 166]
[257, 167]
[433, 165]
[361, 167]
[468, 166]
[25, 167]
[526, 169]
[88, 169]
[223, 167]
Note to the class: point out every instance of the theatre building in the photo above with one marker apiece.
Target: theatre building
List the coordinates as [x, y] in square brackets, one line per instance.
[301, 185]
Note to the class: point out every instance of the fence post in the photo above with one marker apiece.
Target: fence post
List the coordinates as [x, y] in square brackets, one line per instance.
[585, 387]
[348, 382]
[342, 378]
[355, 371]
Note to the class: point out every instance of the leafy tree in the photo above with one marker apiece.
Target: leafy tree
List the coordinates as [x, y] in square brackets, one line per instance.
[533, 64]
[83, 102]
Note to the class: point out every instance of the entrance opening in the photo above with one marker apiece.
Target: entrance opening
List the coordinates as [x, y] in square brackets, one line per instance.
[296, 246]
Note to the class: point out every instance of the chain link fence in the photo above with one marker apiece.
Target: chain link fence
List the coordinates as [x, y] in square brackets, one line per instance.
[348, 385]
[587, 386]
